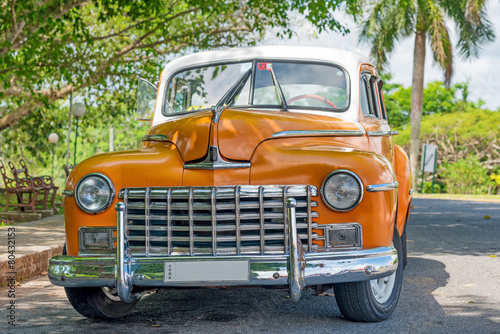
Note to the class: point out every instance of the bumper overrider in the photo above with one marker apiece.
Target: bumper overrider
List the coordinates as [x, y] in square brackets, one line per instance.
[296, 269]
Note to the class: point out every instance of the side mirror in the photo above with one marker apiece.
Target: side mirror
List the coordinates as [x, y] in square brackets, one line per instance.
[146, 100]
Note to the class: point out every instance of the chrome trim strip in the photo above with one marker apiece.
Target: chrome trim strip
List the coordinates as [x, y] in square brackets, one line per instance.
[309, 218]
[294, 272]
[169, 221]
[261, 220]
[147, 222]
[411, 191]
[285, 227]
[191, 222]
[382, 133]
[68, 193]
[155, 137]
[237, 218]
[215, 161]
[300, 133]
[382, 187]
[214, 222]
[320, 268]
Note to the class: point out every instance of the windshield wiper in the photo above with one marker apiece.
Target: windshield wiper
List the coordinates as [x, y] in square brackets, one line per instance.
[229, 96]
[277, 87]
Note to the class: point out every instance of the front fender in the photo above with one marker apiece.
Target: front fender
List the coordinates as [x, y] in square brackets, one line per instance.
[310, 160]
[403, 173]
[158, 165]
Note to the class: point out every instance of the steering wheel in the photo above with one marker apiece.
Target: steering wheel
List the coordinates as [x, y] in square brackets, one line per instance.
[314, 97]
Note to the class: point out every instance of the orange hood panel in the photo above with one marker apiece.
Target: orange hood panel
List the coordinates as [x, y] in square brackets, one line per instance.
[190, 133]
[241, 131]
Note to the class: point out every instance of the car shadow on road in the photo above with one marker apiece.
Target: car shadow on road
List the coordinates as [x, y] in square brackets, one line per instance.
[261, 310]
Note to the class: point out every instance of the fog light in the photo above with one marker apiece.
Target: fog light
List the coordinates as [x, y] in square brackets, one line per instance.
[344, 236]
[96, 239]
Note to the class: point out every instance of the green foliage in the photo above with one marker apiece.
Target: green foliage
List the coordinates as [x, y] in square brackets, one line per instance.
[466, 176]
[438, 188]
[460, 128]
[49, 49]
[438, 99]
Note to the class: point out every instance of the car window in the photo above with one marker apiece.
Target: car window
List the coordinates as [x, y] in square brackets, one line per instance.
[380, 84]
[304, 86]
[369, 95]
[202, 87]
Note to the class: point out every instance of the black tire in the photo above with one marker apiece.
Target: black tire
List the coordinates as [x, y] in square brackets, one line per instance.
[99, 302]
[357, 301]
[403, 246]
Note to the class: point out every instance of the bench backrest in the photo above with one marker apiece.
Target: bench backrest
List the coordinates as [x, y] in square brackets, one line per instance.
[6, 180]
[18, 171]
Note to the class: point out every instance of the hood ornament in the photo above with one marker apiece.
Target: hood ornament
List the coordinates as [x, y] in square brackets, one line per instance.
[214, 160]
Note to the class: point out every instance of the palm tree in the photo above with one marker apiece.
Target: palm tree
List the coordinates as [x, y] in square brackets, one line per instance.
[391, 20]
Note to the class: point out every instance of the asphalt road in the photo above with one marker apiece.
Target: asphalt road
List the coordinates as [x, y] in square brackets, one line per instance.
[451, 285]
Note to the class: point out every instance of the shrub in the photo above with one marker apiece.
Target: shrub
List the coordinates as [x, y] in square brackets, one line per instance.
[466, 176]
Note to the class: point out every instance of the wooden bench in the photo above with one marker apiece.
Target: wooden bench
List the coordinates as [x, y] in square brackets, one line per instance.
[20, 188]
[44, 184]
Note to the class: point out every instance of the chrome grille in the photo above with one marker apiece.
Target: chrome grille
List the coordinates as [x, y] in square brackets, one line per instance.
[225, 220]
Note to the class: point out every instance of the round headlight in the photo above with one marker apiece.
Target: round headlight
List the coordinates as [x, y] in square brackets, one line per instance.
[94, 193]
[342, 190]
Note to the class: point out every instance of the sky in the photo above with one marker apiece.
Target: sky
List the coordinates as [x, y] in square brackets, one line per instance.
[483, 73]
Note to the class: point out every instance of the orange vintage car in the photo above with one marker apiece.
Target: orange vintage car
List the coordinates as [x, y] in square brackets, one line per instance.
[264, 166]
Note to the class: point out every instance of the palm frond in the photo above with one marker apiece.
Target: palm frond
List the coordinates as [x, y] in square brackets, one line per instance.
[388, 20]
[439, 38]
[473, 25]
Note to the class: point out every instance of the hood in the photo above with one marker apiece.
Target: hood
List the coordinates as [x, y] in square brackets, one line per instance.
[238, 131]
[190, 133]
[241, 131]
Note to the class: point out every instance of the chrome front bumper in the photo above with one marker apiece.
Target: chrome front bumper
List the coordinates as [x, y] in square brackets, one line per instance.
[296, 269]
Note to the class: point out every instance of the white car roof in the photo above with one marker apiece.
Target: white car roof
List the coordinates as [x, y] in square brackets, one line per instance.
[350, 60]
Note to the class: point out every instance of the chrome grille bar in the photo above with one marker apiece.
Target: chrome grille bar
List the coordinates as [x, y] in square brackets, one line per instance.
[191, 231]
[147, 221]
[261, 219]
[214, 223]
[169, 221]
[229, 220]
[237, 218]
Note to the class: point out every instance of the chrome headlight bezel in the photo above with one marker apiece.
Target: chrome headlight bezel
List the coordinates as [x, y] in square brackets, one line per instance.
[355, 177]
[111, 197]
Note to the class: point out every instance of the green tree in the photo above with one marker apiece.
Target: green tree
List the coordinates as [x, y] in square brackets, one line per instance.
[438, 99]
[52, 48]
[389, 21]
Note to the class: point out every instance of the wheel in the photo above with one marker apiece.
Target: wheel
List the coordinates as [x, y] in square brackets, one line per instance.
[314, 97]
[404, 248]
[375, 300]
[98, 302]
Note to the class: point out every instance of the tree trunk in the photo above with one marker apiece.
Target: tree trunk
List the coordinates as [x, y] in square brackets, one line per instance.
[417, 96]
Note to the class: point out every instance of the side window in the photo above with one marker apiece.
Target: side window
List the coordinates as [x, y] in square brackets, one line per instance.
[374, 95]
[368, 99]
[380, 84]
[365, 106]
[372, 104]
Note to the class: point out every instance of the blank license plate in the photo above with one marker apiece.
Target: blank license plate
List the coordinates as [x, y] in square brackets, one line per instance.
[206, 271]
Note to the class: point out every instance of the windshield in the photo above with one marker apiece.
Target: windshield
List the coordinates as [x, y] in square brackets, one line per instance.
[304, 86]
